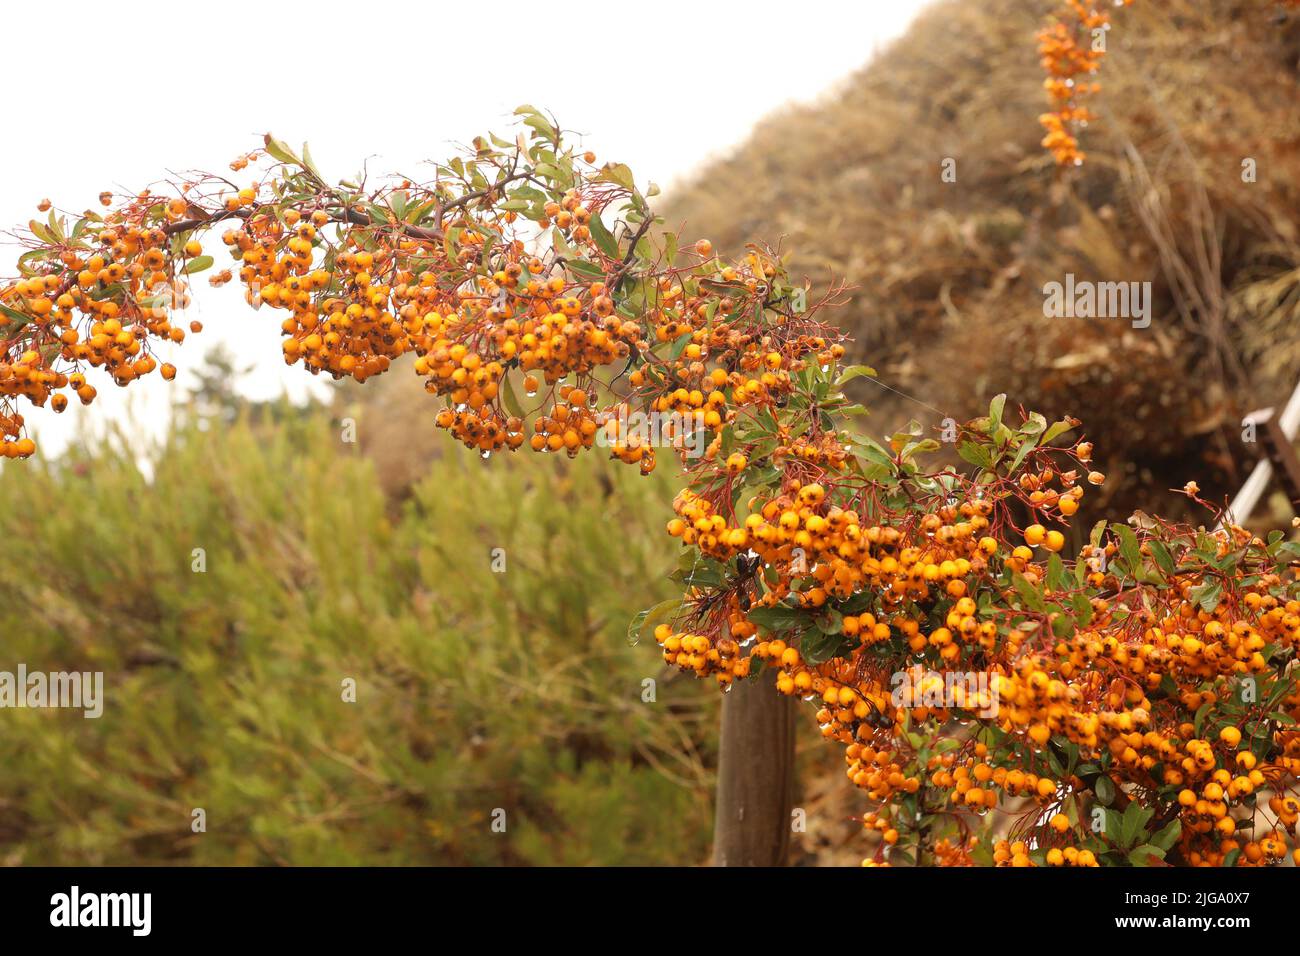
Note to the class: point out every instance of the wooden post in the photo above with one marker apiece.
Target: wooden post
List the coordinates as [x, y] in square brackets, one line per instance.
[755, 775]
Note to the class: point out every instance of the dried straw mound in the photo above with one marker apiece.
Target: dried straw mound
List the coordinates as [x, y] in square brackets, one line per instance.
[948, 276]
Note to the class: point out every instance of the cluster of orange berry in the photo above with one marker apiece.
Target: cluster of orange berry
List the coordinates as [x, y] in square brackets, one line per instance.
[818, 550]
[523, 268]
[341, 319]
[1071, 50]
[954, 852]
[1006, 853]
[1076, 678]
[703, 655]
[98, 297]
[544, 328]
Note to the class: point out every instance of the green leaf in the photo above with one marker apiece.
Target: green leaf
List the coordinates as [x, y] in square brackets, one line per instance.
[1168, 836]
[1164, 560]
[310, 164]
[541, 126]
[509, 397]
[1055, 430]
[680, 343]
[924, 447]
[1036, 425]
[536, 121]
[830, 621]
[604, 238]
[42, 232]
[1140, 856]
[977, 454]
[1113, 825]
[778, 619]
[1199, 717]
[1207, 595]
[618, 173]
[855, 371]
[872, 450]
[651, 618]
[703, 574]
[1029, 595]
[1128, 547]
[397, 202]
[995, 412]
[1289, 551]
[1133, 822]
[818, 647]
[1082, 608]
[277, 149]
[1056, 577]
[1026, 446]
[1104, 788]
[1062, 625]
[198, 264]
[1071, 751]
[585, 269]
[15, 317]
[33, 255]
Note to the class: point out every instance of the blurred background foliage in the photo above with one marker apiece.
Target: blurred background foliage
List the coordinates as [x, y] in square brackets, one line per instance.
[476, 690]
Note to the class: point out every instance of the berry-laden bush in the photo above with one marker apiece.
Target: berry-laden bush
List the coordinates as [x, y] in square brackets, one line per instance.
[1132, 704]
[1128, 706]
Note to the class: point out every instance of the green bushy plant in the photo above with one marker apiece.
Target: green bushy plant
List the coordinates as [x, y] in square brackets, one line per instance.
[476, 689]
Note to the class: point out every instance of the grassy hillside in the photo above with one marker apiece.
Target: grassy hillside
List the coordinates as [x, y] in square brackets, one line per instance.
[947, 276]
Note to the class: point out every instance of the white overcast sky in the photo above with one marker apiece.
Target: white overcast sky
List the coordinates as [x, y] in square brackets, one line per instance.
[134, 90]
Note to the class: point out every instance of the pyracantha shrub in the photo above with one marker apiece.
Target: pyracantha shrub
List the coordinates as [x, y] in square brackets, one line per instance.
[998, 698]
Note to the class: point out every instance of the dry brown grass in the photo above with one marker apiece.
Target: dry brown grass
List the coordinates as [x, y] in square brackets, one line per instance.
[948, 276]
